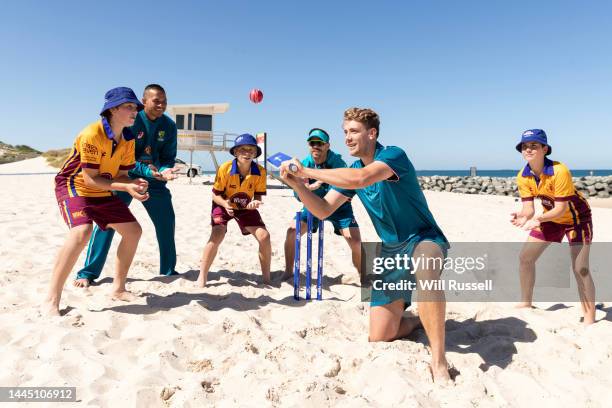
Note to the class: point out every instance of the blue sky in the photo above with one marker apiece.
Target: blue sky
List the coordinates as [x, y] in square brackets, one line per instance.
[455, 83]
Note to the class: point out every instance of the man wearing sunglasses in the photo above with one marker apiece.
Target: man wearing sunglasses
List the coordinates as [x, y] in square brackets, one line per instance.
[343, 220]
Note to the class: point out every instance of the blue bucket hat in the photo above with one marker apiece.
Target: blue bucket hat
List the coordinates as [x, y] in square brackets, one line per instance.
[119, 96]
[534, 135]
[245, 140]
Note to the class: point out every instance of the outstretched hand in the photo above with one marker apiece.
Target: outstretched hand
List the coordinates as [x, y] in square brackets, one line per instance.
[165, 175]
[253, 205]
[517, 220]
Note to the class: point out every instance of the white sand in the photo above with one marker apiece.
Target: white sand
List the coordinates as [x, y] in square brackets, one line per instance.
[36, 165]
[238, 344]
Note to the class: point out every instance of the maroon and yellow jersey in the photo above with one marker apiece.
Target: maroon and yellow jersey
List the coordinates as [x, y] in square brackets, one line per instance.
[239, 194]
[94, 148]
[554, 184]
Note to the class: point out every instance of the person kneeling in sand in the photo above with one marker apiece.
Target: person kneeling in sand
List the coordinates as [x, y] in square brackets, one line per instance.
[566, 213]
[99, 162]
[385, 181]
[343, 220]
[237, 192]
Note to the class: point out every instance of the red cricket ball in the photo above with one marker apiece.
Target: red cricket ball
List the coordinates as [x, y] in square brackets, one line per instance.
[256, 96]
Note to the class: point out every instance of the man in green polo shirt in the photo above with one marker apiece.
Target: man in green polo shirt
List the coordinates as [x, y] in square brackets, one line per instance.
[385, 181]
[343, 220]
[155, 135]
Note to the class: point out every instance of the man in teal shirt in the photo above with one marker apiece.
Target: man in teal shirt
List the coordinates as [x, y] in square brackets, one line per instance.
[343, 220]
[155, 135]
[385, 181]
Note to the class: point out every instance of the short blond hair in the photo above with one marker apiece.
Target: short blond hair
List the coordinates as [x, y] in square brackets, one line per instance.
[367, 116]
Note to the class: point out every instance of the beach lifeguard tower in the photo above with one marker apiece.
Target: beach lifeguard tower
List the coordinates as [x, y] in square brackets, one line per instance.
[195, 129]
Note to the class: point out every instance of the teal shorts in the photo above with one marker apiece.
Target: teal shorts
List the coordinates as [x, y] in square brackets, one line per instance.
[340, 219]
[381, 297]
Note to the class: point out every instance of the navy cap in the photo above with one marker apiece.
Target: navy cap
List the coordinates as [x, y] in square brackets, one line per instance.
[245, 139]
[534, 135]
[119, 96]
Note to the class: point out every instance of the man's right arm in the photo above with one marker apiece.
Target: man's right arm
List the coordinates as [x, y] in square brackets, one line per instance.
[319, 207]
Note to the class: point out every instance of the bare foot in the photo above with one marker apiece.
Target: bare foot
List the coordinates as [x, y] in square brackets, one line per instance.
[200, 284]
[49, 309]
[81, 283]
[439, 373]
[587, 321]
[524, 305]
[123, 295]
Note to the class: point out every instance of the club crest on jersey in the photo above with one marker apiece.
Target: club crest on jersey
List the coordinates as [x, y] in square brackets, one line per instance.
[147, 150]
[160, 135]
[241, 200]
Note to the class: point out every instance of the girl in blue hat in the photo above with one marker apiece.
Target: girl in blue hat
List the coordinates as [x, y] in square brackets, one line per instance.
[566, 214]
[103, 153]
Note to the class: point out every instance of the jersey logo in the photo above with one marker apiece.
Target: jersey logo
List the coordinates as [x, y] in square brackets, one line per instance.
[240, 199]
[147, 150]
[160, 135]
[90, 149]
[140, 135]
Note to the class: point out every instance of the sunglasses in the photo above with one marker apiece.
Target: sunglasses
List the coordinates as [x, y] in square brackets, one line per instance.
[314, 143]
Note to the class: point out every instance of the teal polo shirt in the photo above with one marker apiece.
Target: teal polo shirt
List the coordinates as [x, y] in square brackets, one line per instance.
[155, 144]
[397, 206]
[333, 161]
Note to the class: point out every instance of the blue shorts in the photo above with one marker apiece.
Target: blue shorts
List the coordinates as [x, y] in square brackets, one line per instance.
[340, 219]
[381, 297]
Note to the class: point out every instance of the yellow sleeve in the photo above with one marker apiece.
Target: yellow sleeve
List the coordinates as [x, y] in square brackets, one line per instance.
[563, 184]
[89, 150]
[260, 188]
[523, 188]
[220, 181]
[128, 160]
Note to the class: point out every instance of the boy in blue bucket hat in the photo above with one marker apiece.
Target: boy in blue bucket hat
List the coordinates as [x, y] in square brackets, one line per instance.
[239, 187]
[566, 213]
